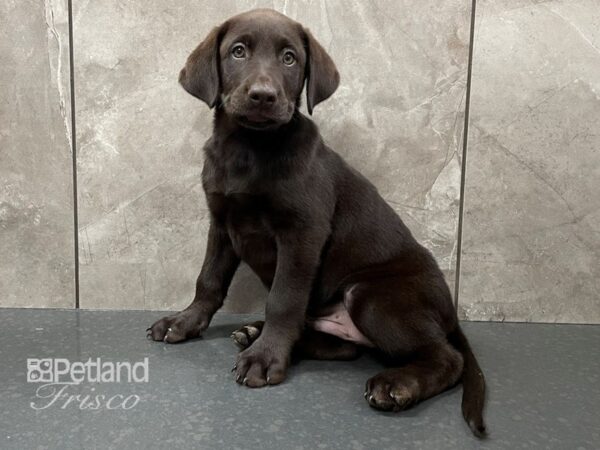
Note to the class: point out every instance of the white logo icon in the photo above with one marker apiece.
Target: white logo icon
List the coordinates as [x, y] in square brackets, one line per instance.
[39, 370]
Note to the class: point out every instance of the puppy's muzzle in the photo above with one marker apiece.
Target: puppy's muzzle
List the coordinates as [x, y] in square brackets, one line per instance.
[260, 105]
[262, 95]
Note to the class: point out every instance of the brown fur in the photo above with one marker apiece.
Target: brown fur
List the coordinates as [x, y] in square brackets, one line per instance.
[311, 227]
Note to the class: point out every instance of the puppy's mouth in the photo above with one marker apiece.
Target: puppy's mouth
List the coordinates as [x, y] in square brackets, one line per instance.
[258, 118]
[257, 121]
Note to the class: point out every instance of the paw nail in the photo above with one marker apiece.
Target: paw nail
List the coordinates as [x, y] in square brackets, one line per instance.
[233, 368]
[268, 380]
[366, 394]
[370, 398]
[245, 381]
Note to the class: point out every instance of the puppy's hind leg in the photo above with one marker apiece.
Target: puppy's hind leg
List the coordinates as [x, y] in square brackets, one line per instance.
[404, 321]
[246, 335]
[311, 345]
[430, 371]
[317, 345]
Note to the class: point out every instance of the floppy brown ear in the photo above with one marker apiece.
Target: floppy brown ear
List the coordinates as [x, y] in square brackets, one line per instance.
[200, 75]
[322, 77]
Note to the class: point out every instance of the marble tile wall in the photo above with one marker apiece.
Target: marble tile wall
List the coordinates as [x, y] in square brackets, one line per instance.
[397, 117]
[531, 233]
[530, 239]
[36, 189]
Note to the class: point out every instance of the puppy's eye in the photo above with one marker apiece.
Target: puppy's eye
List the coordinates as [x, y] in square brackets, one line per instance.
[289, 58]
[238, 51]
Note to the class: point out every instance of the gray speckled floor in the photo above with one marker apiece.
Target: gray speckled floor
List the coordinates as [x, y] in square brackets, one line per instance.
[543, 391]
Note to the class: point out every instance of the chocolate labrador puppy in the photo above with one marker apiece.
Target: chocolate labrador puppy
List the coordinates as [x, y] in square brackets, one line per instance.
[344, 273]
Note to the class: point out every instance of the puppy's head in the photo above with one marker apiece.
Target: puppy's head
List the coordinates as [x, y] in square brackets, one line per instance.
[255, 65]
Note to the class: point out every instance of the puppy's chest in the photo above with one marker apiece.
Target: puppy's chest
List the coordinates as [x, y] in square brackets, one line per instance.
[235, 200]
[242, 212]
[246, 196]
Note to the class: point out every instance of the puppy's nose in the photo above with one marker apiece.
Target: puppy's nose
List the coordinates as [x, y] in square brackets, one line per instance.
[262, 94]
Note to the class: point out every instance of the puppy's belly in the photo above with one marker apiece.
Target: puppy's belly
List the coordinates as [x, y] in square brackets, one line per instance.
[336, 320]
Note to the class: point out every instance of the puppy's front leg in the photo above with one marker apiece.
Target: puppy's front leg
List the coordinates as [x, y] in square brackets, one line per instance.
[267, 359]
[220, 264]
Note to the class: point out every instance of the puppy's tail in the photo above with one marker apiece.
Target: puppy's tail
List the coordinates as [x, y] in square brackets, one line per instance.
[473, 384]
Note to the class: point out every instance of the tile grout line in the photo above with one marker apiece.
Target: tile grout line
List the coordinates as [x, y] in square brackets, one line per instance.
[74, 153]
[463, 171]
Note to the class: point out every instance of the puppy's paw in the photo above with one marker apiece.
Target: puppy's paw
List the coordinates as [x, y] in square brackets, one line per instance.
[260, 365]
[387, 391]
[177, 327]
[246, 335]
